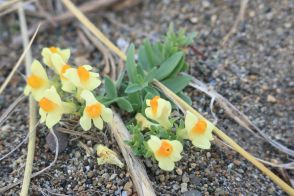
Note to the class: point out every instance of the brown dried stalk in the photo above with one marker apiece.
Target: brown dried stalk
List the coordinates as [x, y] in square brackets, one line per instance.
[139, 176]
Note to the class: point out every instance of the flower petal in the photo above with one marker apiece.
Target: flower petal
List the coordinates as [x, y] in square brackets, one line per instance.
[92, 83]
[43, 115]
[177, 146]
[190, 121]
[98, 122]
[65, 54]
[154, 143]
[53, 118]
[52, 95]
[57, 62]
[67, 86]
[107, 115]
[201, 142]
[38, 70]
[166, 164]
[72, 75]
[88, 97]
[85, 123]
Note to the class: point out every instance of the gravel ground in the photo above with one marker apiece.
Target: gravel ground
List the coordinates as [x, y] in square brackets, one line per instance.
[254, 71]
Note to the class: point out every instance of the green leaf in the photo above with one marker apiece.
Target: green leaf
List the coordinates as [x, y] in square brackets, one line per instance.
[151, 91]
[151, 75]
[124, 104]
[169, 65]
[131, 64]
[110, 88]
[143, 58]
[136, 100]
[185, 97]
[132, 88]
[120, 79]
[178, 83]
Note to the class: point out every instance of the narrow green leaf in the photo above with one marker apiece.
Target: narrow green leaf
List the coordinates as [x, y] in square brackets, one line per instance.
[143, 59]
[178, 83]
[132, 88]
[124, 104]
[185, 97]
[131, 64]
[169, 65]
[120, 79]
[151, 91]
[110, 88]
[151, 74]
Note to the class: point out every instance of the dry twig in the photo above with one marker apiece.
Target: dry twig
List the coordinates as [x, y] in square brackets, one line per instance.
[240, 18]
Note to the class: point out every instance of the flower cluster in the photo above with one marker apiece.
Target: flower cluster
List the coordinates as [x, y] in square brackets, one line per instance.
[76, 82]
[166, 151]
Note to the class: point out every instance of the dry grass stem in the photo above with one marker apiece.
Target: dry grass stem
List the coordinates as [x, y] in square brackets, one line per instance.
[32, 107]
[240, 18]
[138, 173]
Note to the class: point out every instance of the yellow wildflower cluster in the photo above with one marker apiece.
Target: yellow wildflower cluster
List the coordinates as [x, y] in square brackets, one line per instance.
[197, 129]
[78, 81]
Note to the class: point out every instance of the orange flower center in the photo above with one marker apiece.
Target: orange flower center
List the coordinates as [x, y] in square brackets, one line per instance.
[47, 105]
[94, 110]
[35, 82]
[154, 104]
[53, 49]
[165, 149]
[199, 127]
[83, 74]
[63, 70]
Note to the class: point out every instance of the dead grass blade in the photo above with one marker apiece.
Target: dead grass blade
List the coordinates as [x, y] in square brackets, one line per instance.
[32, 106]
[240, 18]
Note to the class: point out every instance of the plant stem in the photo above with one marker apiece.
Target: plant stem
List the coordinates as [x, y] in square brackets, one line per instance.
[32, 109]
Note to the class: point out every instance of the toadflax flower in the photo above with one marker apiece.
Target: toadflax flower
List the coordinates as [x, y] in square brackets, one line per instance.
[107, 156]
[166, 152]
[49, 53]
[95, 111]
[82, 78]
[37, 82]
[143, 121]
[52, 108]
[159, 110]
[61, 67]
[199, 130]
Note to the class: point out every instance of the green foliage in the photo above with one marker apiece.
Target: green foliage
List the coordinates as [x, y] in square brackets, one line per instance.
[162, 60]
[139, 139]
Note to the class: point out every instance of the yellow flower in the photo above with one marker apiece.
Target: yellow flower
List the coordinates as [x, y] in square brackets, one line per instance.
[83, 78]
[159, 110]
[199, 130]
[61, 67]
[143, 121]
[52, 108]
[37, 82]
[49, 53]
[95, 111]
[166, 152]
[107, 156]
